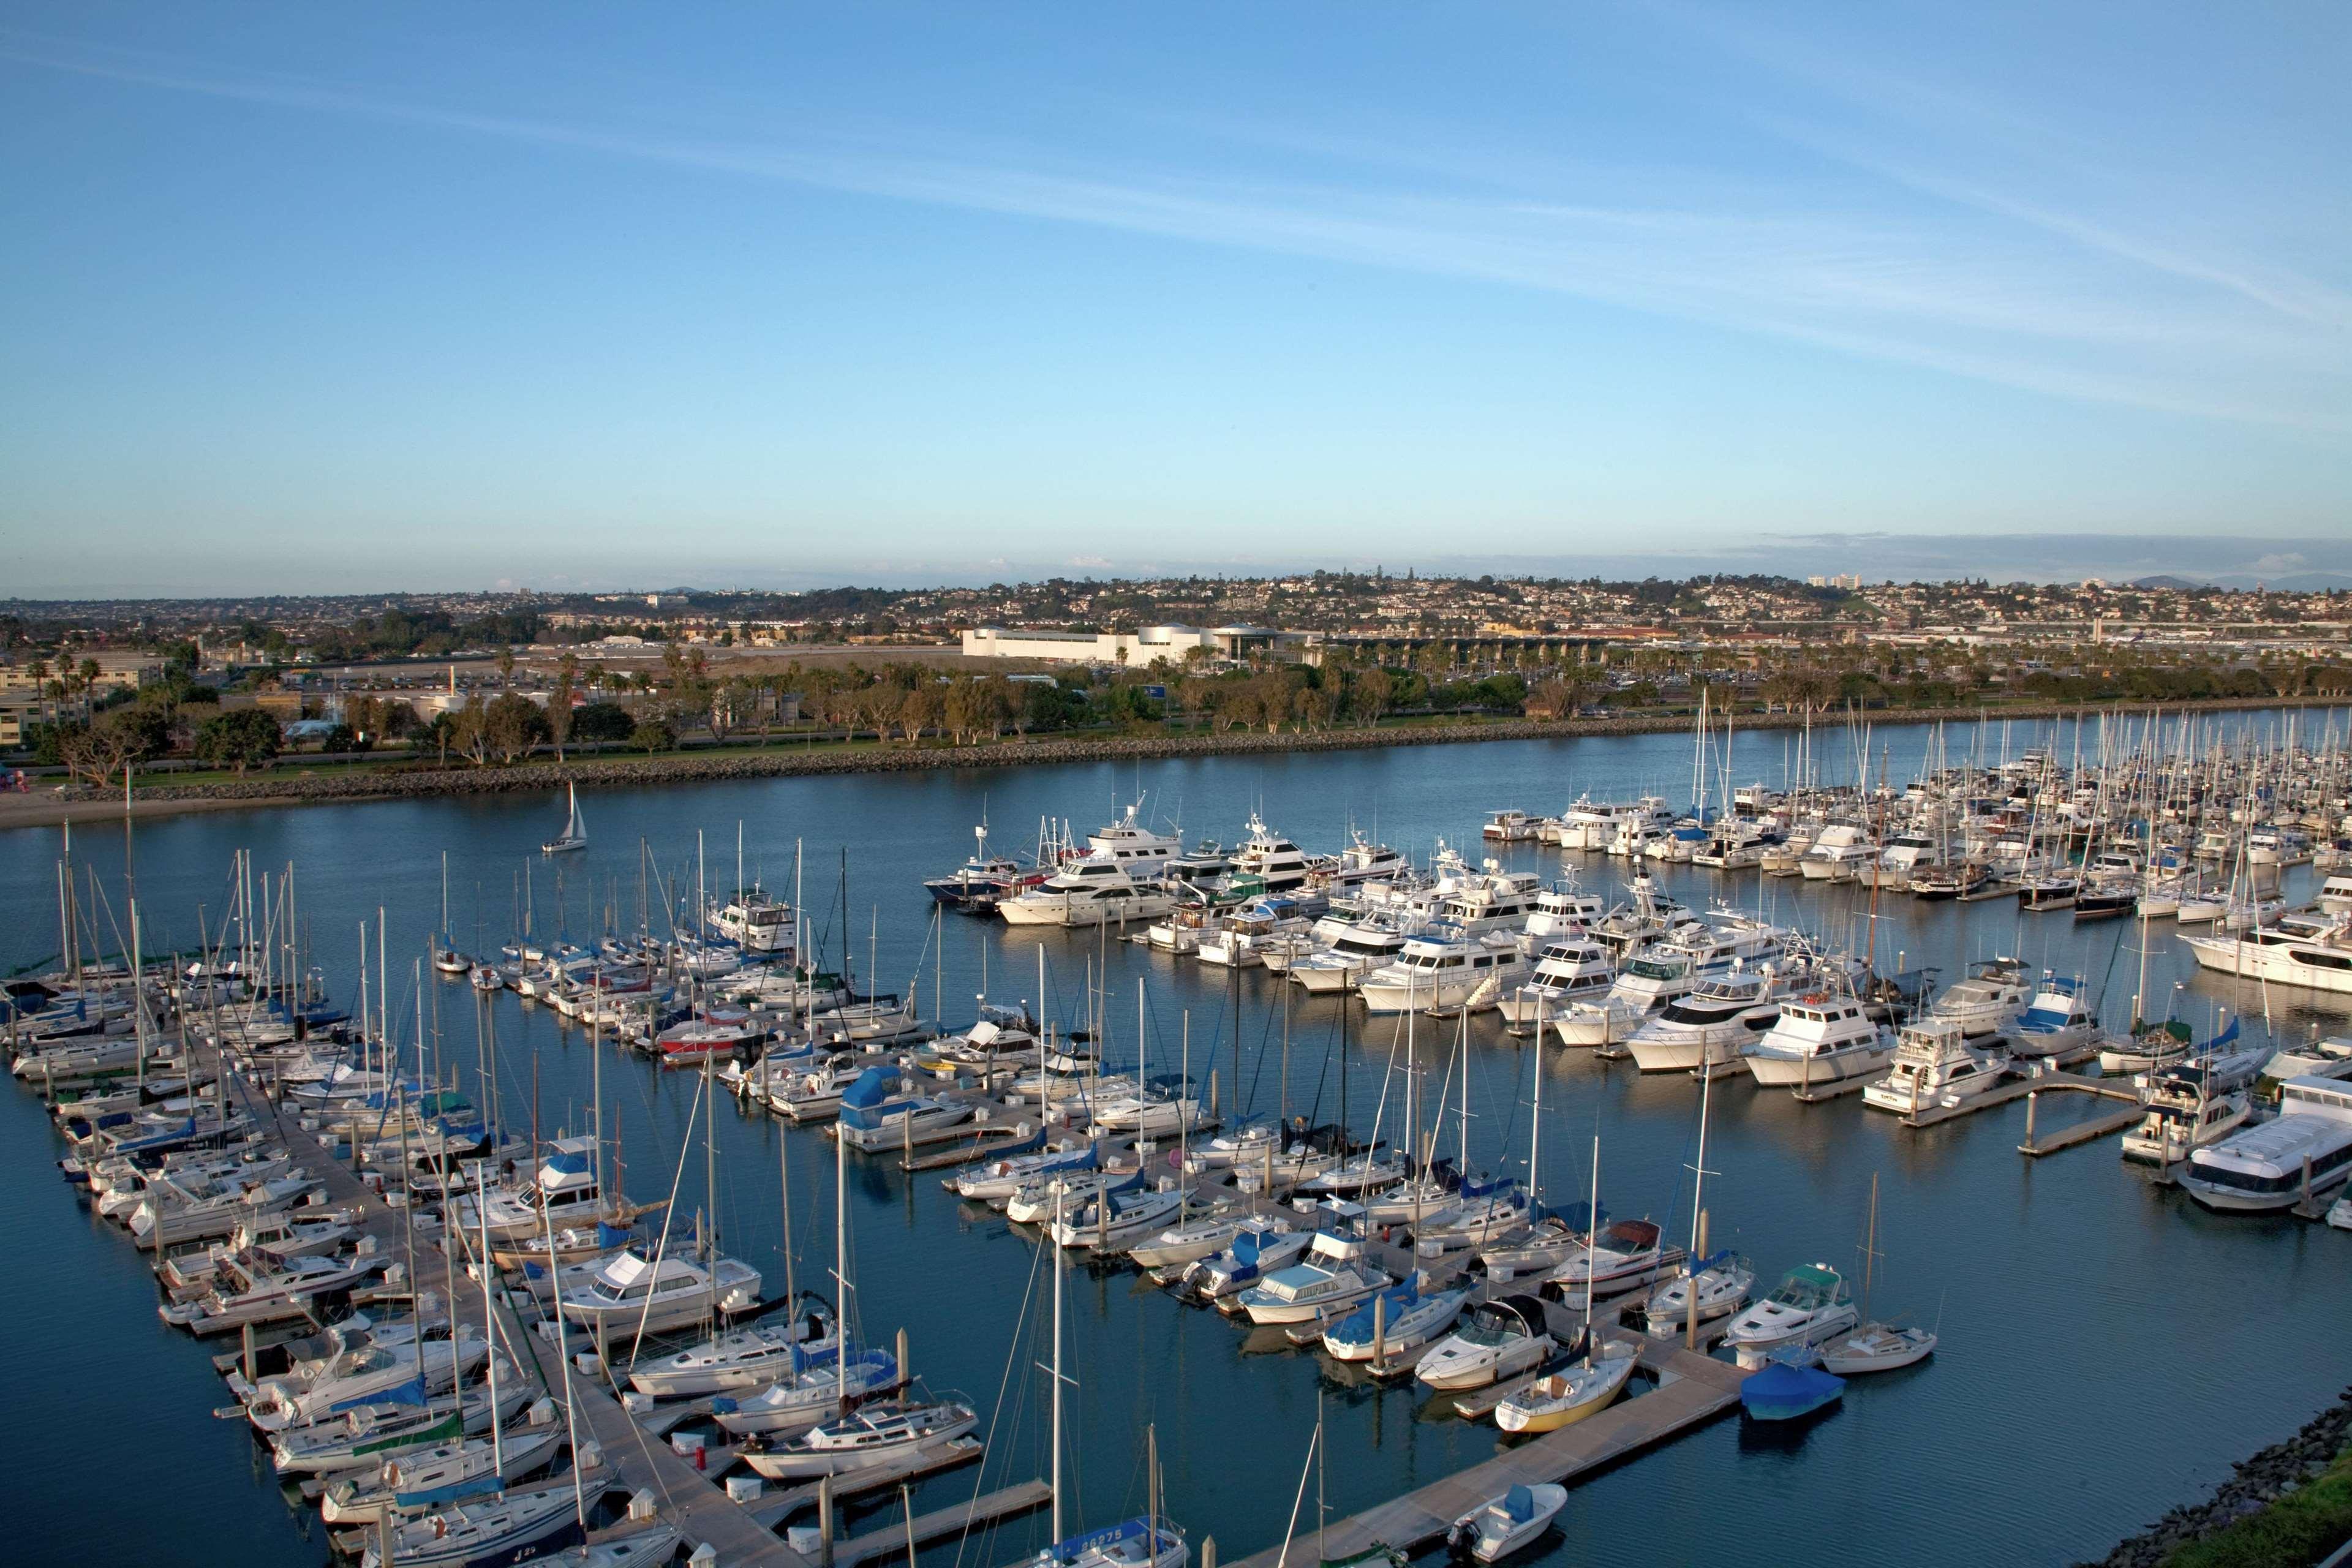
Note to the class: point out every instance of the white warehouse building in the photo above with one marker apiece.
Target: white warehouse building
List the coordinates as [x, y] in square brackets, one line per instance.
[1134, 649]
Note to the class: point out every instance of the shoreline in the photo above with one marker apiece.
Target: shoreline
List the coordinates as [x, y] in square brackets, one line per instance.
[52, 808]
[2255, 1486]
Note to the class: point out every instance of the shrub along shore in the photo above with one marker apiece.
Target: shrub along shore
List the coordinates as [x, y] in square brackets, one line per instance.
[289, 783]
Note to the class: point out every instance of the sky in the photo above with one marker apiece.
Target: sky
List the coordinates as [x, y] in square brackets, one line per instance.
[304, 298]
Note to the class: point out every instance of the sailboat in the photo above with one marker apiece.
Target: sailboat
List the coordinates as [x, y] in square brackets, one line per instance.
[1150, 1542]
[1875, 1347]
[446, 957]
[575, 832]
[1565, 1397]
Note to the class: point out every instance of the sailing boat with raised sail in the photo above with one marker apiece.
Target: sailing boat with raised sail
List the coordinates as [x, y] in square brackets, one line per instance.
[575, 831]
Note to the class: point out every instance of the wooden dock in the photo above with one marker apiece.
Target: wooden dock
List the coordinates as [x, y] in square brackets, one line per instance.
[1693, 1389]
[953, 1520]
[2018, 1089]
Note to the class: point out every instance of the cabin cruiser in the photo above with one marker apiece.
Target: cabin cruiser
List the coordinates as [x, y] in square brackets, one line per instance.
[1568, 970]
[1496, 900]
[2301, 1154]
[2330, 1058]
[1511, 825]
[2188, 1107]
[1444, 969]
[1984, 1004]
[1564, 908]
[1243, 939]
[1821, 1037]
[562, 1190]
[1097, 891]
[1811, 1304]
[360, 1371]
[1504, 1338]
[1346, 948]
[747, 1357]
[1332, 1277]
[2059, 1020]
[755, 922]
[872, 1116]
[1627, 1254]
[1708, 1026]
[1666, 970]
[983, 880]
[1720, 1285]
[1935, 1066]
[2320, 958]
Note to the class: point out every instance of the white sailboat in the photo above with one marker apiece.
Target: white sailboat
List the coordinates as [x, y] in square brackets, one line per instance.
[575, 831]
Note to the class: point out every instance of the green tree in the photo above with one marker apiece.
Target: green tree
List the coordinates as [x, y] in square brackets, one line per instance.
[241, 738]
[600, 721]
[654, 735]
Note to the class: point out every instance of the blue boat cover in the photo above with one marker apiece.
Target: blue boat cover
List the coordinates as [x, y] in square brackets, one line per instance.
[568, 1162]
[409, 1393]
[1781, 1391]
[1520, 1504]
[1109, 1535]
[873, 1086]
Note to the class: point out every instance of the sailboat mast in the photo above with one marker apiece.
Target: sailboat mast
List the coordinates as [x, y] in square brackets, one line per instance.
[1591, 1241]
[1053, 1239]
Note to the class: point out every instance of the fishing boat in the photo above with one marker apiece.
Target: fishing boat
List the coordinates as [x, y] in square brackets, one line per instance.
[575, 830]
[1935, 1066]
[2189, 1106]
[1501, 1526]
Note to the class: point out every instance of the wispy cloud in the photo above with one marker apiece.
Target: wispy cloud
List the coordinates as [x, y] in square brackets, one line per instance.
[2037, 306]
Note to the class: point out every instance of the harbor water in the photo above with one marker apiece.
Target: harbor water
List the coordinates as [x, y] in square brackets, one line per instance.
[2108, 1347]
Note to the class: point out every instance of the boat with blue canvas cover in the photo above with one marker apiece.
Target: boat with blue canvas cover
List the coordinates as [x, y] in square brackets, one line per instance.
[1784, 1391]
[1395, 1321]
[875, 1115]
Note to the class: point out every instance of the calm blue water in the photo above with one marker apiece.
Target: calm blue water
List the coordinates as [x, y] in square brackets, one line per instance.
[2108, 1348]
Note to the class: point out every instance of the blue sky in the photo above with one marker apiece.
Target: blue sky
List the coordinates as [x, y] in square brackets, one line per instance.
[315, 297]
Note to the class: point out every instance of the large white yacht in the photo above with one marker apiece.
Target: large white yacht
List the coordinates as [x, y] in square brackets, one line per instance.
[1935, 1066]
[1838, 851]
[1346, 949]
[1496, 900]
[1821, 1037]
[1990, 999]
[1668, 969]
[1707, 1027]
[1133, 848]
[1595, 825]
[1444, 969]
[1266, 862]
[1359, 863]
[1568, 970]
[1096, 890]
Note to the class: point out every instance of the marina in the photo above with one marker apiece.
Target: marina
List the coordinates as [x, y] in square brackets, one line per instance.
[1783, 1165]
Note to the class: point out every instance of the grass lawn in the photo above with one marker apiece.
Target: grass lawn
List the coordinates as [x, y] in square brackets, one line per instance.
[2295, 1531]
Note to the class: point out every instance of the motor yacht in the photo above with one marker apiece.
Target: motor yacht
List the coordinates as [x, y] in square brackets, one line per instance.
[2059, 1021]
[1097, 891]
[1502, 1339]
[1811, 1304]
[1444, 969]
[1935, 1066]
[1709, 1024]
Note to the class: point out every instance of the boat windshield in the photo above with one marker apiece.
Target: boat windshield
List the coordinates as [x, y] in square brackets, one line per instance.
[1655, 969]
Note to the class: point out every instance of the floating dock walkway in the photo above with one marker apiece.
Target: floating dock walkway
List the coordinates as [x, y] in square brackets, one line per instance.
[1693, 1389]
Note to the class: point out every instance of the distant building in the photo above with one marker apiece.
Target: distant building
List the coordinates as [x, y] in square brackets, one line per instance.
[1133, 649]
